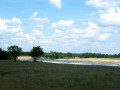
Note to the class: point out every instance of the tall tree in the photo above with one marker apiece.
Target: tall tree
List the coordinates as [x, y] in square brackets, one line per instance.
[14, 51]
[36, 52]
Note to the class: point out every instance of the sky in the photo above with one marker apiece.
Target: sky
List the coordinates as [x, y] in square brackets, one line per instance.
[76, 26]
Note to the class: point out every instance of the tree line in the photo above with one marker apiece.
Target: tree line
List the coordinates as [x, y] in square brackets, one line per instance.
[99, 55]
[14, 51]
[68, 55]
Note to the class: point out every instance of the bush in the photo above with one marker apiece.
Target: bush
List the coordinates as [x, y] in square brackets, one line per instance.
[4, 55]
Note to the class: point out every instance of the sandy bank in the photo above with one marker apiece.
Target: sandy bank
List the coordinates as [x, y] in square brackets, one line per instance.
[96, 60]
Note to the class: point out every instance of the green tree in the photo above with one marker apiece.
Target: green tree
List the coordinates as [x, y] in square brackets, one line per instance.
[68, 55]
[14, 51]
[36, 52]
[3, 54]
[54, 55]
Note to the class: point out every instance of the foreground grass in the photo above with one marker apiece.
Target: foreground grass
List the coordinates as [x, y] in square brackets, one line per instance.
[45, 76]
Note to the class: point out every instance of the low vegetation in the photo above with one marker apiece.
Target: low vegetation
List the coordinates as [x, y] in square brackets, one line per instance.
[45, 76]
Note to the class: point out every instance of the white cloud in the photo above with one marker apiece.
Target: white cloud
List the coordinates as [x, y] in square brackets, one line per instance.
[15, 21]
[38, 22]
[112, 16]
[104, 36]
[3, 26]
[37, 37]
[103, 3]
[29, 38]
[63, 23]
[11, 32]
[36, 19]
[56, 3]
[10, 25]
[34, 14]
[77, 36]
[10, 29]
[95, 32]
[91, 30]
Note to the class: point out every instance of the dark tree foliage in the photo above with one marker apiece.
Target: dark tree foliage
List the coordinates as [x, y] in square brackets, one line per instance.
[25, 54]
[56, 55]
[99, 55]
[36, 52]
[3, 55]
[68, 54]
[14, 51]
[118, 55]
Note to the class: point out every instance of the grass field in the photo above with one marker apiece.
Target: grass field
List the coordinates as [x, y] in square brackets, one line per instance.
[46, 76]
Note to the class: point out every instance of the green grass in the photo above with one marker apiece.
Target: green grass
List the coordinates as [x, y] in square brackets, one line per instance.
[45, 76]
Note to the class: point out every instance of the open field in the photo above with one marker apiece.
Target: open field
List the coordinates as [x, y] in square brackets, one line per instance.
[47, 76]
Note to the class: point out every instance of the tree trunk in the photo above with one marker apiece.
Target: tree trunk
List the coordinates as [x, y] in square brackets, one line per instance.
[34, 59]
[15, 58]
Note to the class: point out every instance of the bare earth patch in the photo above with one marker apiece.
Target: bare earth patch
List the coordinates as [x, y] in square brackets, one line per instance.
[24, 58]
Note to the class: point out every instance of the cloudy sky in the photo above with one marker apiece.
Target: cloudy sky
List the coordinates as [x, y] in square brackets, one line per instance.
[61, 25]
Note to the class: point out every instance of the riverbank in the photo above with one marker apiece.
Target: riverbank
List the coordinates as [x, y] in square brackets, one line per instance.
[79, 61]
[98, 60]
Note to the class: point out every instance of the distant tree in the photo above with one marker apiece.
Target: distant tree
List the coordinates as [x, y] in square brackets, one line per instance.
[69, 55]
[36, 52]
[14, 51]
[3, 54]
[55, 55]
[46, 55]
[118, 55]
[25, 53]
[61, 55]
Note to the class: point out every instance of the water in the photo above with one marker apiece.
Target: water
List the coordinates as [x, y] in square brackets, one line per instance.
[77, 62]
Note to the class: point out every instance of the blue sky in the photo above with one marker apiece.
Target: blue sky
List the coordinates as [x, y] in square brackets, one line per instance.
[61, 25]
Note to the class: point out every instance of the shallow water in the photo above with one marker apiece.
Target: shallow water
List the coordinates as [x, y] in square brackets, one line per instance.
[77, 62]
